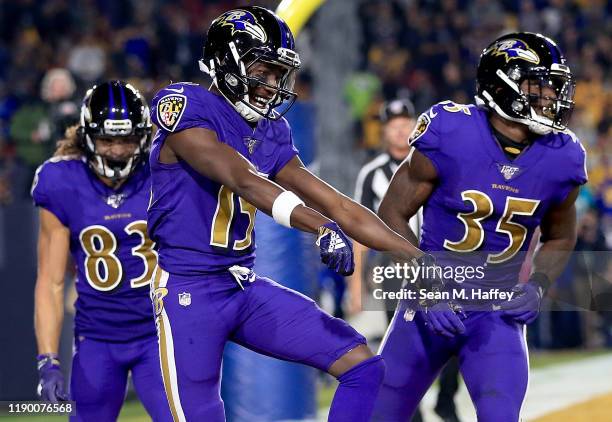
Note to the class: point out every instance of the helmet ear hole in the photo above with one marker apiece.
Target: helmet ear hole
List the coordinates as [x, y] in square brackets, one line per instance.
[236, 88]
[517, 106]
[231, 80]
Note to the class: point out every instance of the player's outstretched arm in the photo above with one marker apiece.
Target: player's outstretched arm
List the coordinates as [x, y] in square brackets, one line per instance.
[53, 247]
[202, 151]
[358, 222]
[409, 189]
[200, 148]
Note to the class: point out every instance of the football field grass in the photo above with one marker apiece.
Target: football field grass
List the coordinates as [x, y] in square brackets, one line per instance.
[598, 409]
[133, 411]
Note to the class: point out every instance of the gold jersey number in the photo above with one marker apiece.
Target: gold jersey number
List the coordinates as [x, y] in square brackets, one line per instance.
[100, 246]
[222, 221]
[483, 208]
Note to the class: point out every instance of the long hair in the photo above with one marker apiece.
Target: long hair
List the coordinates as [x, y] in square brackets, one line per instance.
[69, 145]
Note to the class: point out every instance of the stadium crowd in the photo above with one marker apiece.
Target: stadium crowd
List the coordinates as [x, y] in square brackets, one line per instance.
[51, 51]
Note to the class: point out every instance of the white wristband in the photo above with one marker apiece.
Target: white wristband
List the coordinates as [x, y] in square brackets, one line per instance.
[283, 207]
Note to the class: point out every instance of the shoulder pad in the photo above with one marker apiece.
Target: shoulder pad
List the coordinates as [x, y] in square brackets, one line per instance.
[578, 155]
[178, 105]
[54, 170]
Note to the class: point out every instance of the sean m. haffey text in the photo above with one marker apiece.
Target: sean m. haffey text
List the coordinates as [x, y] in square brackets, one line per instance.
[411, 273]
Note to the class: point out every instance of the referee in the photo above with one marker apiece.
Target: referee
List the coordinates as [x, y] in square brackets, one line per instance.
[398, 119]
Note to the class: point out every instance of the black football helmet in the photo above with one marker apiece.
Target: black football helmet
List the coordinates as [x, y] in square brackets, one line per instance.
[109, 110]
[235, 41]
[524, 78]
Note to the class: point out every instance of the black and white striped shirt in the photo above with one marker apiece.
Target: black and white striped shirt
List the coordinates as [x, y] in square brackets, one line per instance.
[372, 184]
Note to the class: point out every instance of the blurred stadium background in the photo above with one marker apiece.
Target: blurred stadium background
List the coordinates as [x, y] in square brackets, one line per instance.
[356, 54]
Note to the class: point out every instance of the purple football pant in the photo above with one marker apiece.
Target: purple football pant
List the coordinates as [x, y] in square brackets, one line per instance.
[492, 356]
[99, 379]
[197, 315]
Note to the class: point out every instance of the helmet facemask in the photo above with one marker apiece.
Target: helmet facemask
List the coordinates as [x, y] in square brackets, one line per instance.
[234, 78]
[551, 99]
[114, 167]
[104, 165]
[540, 98]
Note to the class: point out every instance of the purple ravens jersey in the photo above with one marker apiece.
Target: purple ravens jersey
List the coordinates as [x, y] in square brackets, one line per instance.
[484, 202]
[109, 245]
[199, 225]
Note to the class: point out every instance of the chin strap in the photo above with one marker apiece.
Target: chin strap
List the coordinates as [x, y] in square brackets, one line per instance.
[246, 112]
[534, 123]
[539, 129]
[538, 124]
[114, 173]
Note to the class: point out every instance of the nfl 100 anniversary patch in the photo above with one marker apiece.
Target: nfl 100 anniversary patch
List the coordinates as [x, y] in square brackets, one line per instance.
[170, 109]
[509, 172]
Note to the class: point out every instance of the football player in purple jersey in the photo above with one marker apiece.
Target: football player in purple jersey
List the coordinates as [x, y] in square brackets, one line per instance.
[93, 196]
[487, 176]
[218, 156]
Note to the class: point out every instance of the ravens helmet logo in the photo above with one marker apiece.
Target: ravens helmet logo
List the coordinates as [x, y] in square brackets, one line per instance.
[514, 49]
[242, 21]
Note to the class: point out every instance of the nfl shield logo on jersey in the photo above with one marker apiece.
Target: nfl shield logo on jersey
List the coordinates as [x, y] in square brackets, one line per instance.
[184, 299]
[251, 144]
[508, 171]
[115, 200]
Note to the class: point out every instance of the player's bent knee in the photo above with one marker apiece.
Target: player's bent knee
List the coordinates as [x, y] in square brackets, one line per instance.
[357, 391]
[370, 371]
[350, 359]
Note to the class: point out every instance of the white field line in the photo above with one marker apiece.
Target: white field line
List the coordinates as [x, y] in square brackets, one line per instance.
[551, 388]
